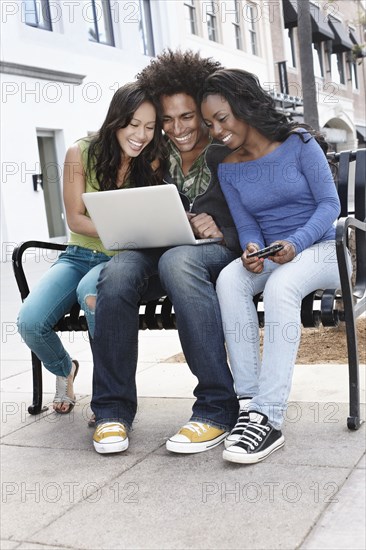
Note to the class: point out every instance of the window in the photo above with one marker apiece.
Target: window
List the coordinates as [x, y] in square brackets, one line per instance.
[237, 28]
[99, 22]
[251, 16]
[290, 47]
[37, 14]
[352, 59]
[337, 68]
[191, 16]
[146, 29]
[212, 22]
[318, 59]
[354, 76]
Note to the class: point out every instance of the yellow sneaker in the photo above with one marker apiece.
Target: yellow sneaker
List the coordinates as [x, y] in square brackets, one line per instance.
[110, 437]
[195, 437]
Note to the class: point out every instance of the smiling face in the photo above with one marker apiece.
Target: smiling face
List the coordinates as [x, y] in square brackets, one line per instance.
[139, 132]
[221, 122]
[182, 122]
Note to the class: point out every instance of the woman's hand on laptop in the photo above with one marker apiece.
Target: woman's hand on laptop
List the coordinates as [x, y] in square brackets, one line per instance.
[203, 226]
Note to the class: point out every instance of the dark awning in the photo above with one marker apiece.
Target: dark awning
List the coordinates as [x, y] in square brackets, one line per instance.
[320, 28]
[361, 130]
[290, 13]
[353, 37]
[320, 25]
[342, 41]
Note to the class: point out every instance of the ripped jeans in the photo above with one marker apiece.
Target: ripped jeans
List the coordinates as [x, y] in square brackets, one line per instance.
[73, 277]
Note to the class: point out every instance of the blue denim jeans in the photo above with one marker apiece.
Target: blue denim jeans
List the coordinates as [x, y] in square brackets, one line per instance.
[268, 382]
[73, 277]
[188, 275]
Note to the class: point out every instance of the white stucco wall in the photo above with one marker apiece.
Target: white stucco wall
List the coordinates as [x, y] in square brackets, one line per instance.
[71, 111]
[28, 104]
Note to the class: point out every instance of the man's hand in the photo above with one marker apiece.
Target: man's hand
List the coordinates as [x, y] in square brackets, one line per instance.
[204, 226]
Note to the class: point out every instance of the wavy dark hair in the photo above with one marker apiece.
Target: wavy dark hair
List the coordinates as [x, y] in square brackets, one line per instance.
[175, 72]
[251, 103]
[105, 154]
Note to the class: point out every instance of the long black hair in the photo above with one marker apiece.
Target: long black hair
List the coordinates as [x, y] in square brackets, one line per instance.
[255, 106]
[105, 154]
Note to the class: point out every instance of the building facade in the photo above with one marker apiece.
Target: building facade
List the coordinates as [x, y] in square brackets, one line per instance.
[337, 48]
[62, 60]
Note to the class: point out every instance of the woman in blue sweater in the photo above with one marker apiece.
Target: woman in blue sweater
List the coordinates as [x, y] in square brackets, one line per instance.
[280, 189]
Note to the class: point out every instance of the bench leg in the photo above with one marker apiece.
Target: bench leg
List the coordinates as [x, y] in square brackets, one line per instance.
[354, 419]
[36, 406]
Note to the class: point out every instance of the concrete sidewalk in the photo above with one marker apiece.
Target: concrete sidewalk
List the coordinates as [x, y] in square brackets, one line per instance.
[58, 493]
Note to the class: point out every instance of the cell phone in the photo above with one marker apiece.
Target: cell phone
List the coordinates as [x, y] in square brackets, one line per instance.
[265, 252]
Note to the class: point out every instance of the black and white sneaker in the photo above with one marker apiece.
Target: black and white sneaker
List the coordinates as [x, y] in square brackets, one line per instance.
[242, 422]
[258, 441]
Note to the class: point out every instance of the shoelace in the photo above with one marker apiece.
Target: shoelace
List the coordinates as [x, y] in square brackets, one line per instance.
[242, 422]
[253, 434]
[198, 427]
[108, 428]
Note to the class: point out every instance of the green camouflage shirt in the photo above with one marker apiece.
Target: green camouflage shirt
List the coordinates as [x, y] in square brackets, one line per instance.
[198, 177]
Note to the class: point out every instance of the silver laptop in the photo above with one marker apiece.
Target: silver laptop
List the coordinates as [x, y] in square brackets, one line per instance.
[142, 217]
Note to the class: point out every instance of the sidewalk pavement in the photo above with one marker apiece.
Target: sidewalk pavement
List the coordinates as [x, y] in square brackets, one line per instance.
[58, 493]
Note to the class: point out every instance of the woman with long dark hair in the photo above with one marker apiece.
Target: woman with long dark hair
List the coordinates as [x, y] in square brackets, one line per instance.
[126, 152]
[280, 191]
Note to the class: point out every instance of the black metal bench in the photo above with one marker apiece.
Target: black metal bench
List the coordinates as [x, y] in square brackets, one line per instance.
[327, 307]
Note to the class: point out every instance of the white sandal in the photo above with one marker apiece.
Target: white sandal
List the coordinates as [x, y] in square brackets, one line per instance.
[64, 389]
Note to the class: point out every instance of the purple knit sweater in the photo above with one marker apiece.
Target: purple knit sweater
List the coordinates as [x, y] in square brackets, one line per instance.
[288, 194]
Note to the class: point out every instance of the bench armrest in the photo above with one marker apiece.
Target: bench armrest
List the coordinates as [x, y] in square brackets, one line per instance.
[17, 259]
[343, 225]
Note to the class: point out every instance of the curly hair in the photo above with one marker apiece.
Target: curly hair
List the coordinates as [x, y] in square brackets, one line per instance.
[175, 72]
[105, 154]
[251, 103]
